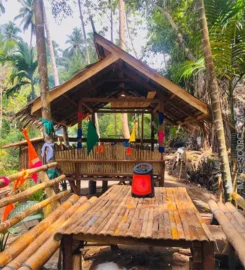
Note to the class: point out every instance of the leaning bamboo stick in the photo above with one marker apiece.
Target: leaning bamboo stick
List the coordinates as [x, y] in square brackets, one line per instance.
[11, 222]
[232, 235]
[22, 242]
[236, 213]
[17, 175]
[29, 191]
[239, 199]
[44, 236]
[41, 256]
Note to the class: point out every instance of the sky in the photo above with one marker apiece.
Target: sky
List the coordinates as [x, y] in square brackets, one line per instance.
[61, 29]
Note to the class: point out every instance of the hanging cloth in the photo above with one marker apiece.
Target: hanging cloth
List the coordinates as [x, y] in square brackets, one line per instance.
[33, 157]
[92, 136]
[49, 151]
[49, 126]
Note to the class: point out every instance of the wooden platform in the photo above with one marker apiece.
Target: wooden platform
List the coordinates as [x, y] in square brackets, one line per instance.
[168, 219]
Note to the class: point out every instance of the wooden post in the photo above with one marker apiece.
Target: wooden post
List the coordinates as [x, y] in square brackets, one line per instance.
[50, 190]
[208, 256]
[66, 246]
[152, 132]
[142, 128]
[65, 136]
[78, 182]
[104, 186]
[92, 184]
[162, 173]
[160, 129]
[92, 187]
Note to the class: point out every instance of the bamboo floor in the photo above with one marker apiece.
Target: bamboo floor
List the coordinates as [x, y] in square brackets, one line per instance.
[170, 215]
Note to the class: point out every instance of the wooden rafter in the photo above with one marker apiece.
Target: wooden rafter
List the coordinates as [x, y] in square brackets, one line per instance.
[170, 86]
[75, 81]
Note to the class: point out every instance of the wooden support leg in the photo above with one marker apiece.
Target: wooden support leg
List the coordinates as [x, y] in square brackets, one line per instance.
[208, 256]
[196, 260]
[92, 187]
[104, 186]
[73, 186]
[231, 257]
[162, 174]
[77, 261]
[66, 246]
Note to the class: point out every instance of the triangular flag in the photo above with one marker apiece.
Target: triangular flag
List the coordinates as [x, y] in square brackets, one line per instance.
[92, 136]
[133, 133]
[34, 160]
[7, 210]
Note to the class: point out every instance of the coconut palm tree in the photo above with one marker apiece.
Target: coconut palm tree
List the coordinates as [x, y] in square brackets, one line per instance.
[24, 66]
[11, 32]
[75, 42]
[84, 31]
[215, 101]
[27, 16]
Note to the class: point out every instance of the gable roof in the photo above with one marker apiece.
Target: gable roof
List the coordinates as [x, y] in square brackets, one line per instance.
[118, 71]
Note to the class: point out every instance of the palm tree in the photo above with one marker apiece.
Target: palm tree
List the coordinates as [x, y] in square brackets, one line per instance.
[215, 102]
[84, 32]
[27, 16]
[10, 32]
[51, 49]
[23, 68]
[122, 37]
[75, 42]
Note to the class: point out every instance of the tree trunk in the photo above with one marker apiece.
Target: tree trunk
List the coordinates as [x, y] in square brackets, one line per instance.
[51, 49]
[111, 15]
[42, 62]
[125, 128]
[84, 32]
[165, 12]
[130, 37]
[215, 102]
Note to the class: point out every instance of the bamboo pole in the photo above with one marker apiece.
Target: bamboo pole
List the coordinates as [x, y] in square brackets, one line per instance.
[236, 213]
[11, 222]
[17, 175]
[41, 249]
[239, 199]
[23, 241]
[232, 235]
[30, 191]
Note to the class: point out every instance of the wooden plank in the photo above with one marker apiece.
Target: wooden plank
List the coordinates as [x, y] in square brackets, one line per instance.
[66, 247]
[75, 81]
[144, 69]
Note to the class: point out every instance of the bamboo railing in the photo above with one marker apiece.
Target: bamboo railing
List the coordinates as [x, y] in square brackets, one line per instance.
[114, 161]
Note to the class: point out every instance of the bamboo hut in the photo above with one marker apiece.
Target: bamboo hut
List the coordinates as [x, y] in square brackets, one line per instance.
[117, 83]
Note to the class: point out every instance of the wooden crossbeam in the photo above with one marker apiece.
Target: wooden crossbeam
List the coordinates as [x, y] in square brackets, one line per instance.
[122, 100]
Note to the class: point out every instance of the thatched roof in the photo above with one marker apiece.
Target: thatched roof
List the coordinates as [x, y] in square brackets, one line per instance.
[124, 82]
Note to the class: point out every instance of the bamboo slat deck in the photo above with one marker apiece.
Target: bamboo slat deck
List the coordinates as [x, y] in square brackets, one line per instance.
[169, 219]
[169, 215]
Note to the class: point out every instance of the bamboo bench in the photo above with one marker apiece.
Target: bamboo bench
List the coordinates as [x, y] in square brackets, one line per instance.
[232, 223]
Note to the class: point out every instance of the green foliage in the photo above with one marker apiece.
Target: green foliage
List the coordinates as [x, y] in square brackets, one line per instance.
[23, 68]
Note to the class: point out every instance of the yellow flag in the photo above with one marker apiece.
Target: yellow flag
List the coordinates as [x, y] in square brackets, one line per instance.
[133, 133]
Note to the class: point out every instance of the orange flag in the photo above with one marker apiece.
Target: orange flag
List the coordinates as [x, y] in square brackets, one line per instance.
[7, 210]
[34, 160]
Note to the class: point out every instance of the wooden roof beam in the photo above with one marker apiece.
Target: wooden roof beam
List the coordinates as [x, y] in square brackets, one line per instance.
[121, 100]
[148, 72]
[75, 81]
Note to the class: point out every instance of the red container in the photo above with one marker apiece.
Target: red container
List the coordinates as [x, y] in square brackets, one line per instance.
[142, 183]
